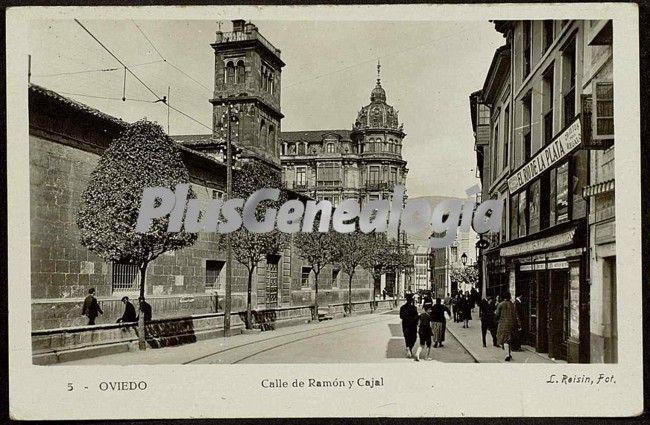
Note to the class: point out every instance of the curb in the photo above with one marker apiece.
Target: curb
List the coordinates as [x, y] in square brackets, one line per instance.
[469, 351]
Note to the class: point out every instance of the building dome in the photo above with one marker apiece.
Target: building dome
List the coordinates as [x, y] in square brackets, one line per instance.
[378, 114]
[378, 93]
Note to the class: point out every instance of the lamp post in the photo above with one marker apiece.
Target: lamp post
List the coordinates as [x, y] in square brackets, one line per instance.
[463, 259]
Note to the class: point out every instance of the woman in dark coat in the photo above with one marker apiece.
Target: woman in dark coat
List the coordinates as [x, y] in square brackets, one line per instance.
[409, 315]
[466, 310]
[438, 322]
[508, 323]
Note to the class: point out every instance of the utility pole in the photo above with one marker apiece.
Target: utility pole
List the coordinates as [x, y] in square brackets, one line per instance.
[231, 116]
[29, 68]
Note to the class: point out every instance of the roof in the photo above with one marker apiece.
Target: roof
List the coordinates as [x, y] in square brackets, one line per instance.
[497, 74]
[312, 136]
[33, 88]
[193, 139]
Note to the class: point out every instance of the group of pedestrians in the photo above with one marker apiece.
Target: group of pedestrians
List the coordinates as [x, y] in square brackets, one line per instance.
[91, 309]
[503, 320]
[429, 326]
[462, 305]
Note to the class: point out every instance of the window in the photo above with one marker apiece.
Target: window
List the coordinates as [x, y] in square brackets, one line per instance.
[330, 148]
[217, 194]
[514, 222]
[548, 34]
[230, 73]
[271, 140]
[373, 174]
[528, 36]
[526, 126]
[263, 134]
[241, 73]
[603, 110]
[562, 202]
[453, 254]
[547, 87]
[304, 277]
[483, 114]
[301, 176]
[393, 175]
[329, 174]
[506, 136]
[212, 272]
[301, 148]
[495, 152]
[523, 214]
[335, 276]
[569, 82]
[533, 207]
[125, 277]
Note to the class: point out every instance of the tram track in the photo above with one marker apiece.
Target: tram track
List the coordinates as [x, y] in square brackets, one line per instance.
[326, 330]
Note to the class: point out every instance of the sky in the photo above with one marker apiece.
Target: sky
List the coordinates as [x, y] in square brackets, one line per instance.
[428, 69]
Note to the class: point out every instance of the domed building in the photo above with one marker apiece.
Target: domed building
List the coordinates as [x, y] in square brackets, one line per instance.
[364, 162]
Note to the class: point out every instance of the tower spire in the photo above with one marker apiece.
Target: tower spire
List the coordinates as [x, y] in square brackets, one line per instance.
[378, 72]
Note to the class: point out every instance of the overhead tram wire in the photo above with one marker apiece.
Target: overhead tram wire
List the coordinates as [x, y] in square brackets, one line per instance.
[165, 59]
[105, 97]
[158, 98]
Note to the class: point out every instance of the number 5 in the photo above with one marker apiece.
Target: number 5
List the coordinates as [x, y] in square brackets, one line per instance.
[70, 387]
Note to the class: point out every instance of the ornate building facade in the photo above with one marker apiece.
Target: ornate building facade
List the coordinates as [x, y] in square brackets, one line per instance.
[364, 162]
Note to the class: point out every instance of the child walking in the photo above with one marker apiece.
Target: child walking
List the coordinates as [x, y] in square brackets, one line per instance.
[424, 332]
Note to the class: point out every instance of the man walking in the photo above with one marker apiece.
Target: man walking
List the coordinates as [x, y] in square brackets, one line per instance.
[508, 324]
[486, 310]
[129, 312]
[424, 332]
[91, 308]
[516, 344]
[409, 315]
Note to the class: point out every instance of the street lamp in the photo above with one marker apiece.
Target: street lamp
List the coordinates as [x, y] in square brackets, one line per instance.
[463, 259]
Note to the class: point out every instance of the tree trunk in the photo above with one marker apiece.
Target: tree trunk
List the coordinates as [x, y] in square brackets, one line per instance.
[374, 289]
[249, 318]
[316, 296]
[350, 295]
[142, 343]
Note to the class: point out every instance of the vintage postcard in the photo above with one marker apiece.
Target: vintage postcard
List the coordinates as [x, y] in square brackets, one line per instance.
[324, 211]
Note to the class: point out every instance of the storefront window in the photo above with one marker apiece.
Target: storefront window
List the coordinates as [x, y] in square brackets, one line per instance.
[562, 203]
[552, 193]
[523, 209]
[533, 207]
[514, 226]
[579, 180]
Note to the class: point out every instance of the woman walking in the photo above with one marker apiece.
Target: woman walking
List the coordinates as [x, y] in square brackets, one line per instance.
[409, 315]
[438, 322]
[508, 324]
[466, 310]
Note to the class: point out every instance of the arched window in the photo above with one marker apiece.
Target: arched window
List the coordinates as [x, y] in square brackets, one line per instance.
[301, 148]
[371, 145]
[230, 73]
[241, 73]
[385, 146]
[330, 148]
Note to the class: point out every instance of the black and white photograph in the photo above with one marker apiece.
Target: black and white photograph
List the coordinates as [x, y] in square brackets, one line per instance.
[400, 193]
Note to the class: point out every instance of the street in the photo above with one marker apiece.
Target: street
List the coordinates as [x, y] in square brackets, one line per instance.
[375, 338]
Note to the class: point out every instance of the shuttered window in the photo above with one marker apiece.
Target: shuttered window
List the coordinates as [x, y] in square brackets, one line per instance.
[603, 110]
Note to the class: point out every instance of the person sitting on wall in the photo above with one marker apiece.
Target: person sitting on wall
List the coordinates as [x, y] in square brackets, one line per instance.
[145, 308]
[129, 312]
[91, 308]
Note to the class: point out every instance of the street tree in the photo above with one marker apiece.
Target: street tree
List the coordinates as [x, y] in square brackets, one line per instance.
[142, 156]
[250, 248]
[397, 259]
[465, 274]
[352, 250]
[377, 259]
[319, 250]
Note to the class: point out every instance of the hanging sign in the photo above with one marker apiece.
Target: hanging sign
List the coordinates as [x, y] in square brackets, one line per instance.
[563, 144]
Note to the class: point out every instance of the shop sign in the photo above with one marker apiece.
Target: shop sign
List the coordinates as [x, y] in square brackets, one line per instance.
[540, 266]
[526, 267]
[545, 244]
[563, 144]
[559, 265]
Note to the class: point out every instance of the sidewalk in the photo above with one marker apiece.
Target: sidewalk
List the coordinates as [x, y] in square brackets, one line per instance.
[470, 338]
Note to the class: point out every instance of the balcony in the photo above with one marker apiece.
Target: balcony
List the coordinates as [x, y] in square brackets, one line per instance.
[253, 34]
[376, 186]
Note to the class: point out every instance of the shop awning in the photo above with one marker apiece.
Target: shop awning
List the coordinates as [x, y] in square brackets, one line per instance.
[598, 188]
[544, 244]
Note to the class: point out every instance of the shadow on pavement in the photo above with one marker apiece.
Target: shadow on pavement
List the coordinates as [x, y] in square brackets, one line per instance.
[395, 329]
[395, 348]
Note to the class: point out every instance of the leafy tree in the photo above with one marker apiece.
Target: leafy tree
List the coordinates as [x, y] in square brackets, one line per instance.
[250, 248]
[352, 250]
[143, 156]
[377, 259]
[319, 250]
[468, 275]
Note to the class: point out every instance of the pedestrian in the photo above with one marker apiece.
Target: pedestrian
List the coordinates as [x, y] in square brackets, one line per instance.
[466, 311]
[424, 332]
[383, 293]
[129, 314]
[427, 301]
[518, 336]
[91, 308]
[508, 324]
[474, 298]
[455, 308]
[486, 311]
[438, 322]
[145, 308]
[409, 315]
[448, 301]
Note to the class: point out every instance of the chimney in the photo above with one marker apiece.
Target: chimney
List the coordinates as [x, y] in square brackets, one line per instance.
[238, 25]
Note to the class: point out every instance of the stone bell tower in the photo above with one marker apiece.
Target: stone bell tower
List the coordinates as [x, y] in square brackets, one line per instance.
[247, 75]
